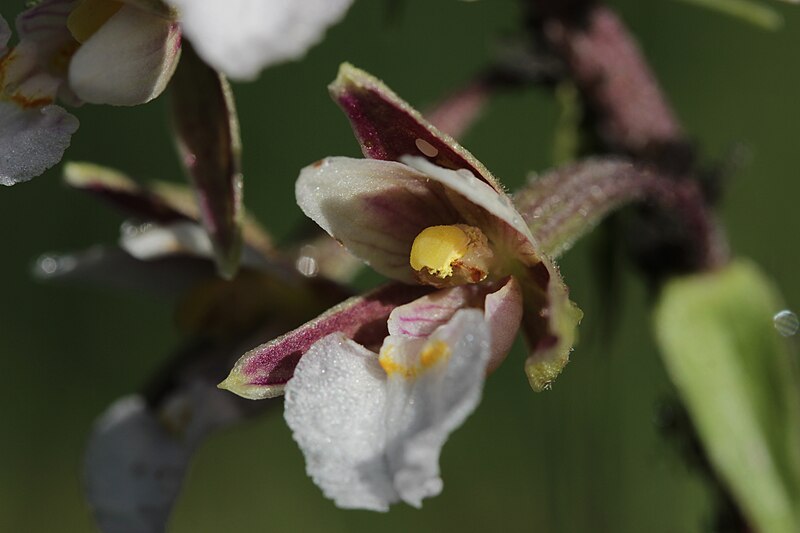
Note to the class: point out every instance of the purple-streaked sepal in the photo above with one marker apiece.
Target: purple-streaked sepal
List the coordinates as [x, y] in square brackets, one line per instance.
[159, 202]
[123, 193]
[388, 127]
[207, 135]
[264, 371]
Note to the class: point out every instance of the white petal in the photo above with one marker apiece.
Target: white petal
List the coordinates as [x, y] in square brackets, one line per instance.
[335, 405]
[370, 440]
[128, 61]
[136, 459]
[241, 37]
[375, 208]
[32, 140]
[422, 412]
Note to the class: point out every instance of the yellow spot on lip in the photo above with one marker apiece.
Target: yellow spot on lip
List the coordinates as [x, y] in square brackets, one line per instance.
[432, 353]
[437, 248]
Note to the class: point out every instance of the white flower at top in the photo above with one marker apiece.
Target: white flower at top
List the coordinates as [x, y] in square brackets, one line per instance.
[242, 37]
[124, 53]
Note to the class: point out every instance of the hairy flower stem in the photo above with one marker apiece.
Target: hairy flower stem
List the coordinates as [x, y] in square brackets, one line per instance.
[564, 204]
[629, 115]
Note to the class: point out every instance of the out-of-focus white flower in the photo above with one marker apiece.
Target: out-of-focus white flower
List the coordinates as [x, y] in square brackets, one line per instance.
[124, 53]
[33, 131]
[241, 37]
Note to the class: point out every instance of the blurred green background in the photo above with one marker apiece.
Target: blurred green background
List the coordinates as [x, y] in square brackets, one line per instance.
[586, 456]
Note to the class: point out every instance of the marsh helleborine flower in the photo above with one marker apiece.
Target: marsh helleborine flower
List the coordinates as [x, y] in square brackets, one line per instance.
[374, 387]
[124, 53]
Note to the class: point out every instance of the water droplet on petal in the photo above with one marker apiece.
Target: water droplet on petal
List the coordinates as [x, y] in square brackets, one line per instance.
[786, 322]
[49, 265]
[130, 229]
[306, 263]
[307, 266]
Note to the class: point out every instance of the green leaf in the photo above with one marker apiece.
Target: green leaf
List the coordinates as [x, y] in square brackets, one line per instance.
[738, 379]
[750, 11]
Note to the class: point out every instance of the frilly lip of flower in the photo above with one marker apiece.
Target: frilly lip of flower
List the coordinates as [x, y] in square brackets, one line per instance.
[372, 426]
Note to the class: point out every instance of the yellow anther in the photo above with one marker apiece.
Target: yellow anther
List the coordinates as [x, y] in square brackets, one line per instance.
[89, 15]
[437, 247]
[434, 352]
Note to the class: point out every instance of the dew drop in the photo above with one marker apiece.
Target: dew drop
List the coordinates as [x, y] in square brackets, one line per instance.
[130, 229]
[306, 263]
[426, 148]
[49, 265]
[786, 322]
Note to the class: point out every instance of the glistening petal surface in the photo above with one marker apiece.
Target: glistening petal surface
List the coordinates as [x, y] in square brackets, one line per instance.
[421, 413]
[335, 406]
[370, 439]
[32, 140]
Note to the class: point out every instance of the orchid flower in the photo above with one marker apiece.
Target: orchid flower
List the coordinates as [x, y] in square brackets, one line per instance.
[125, 53]
[370, 406]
